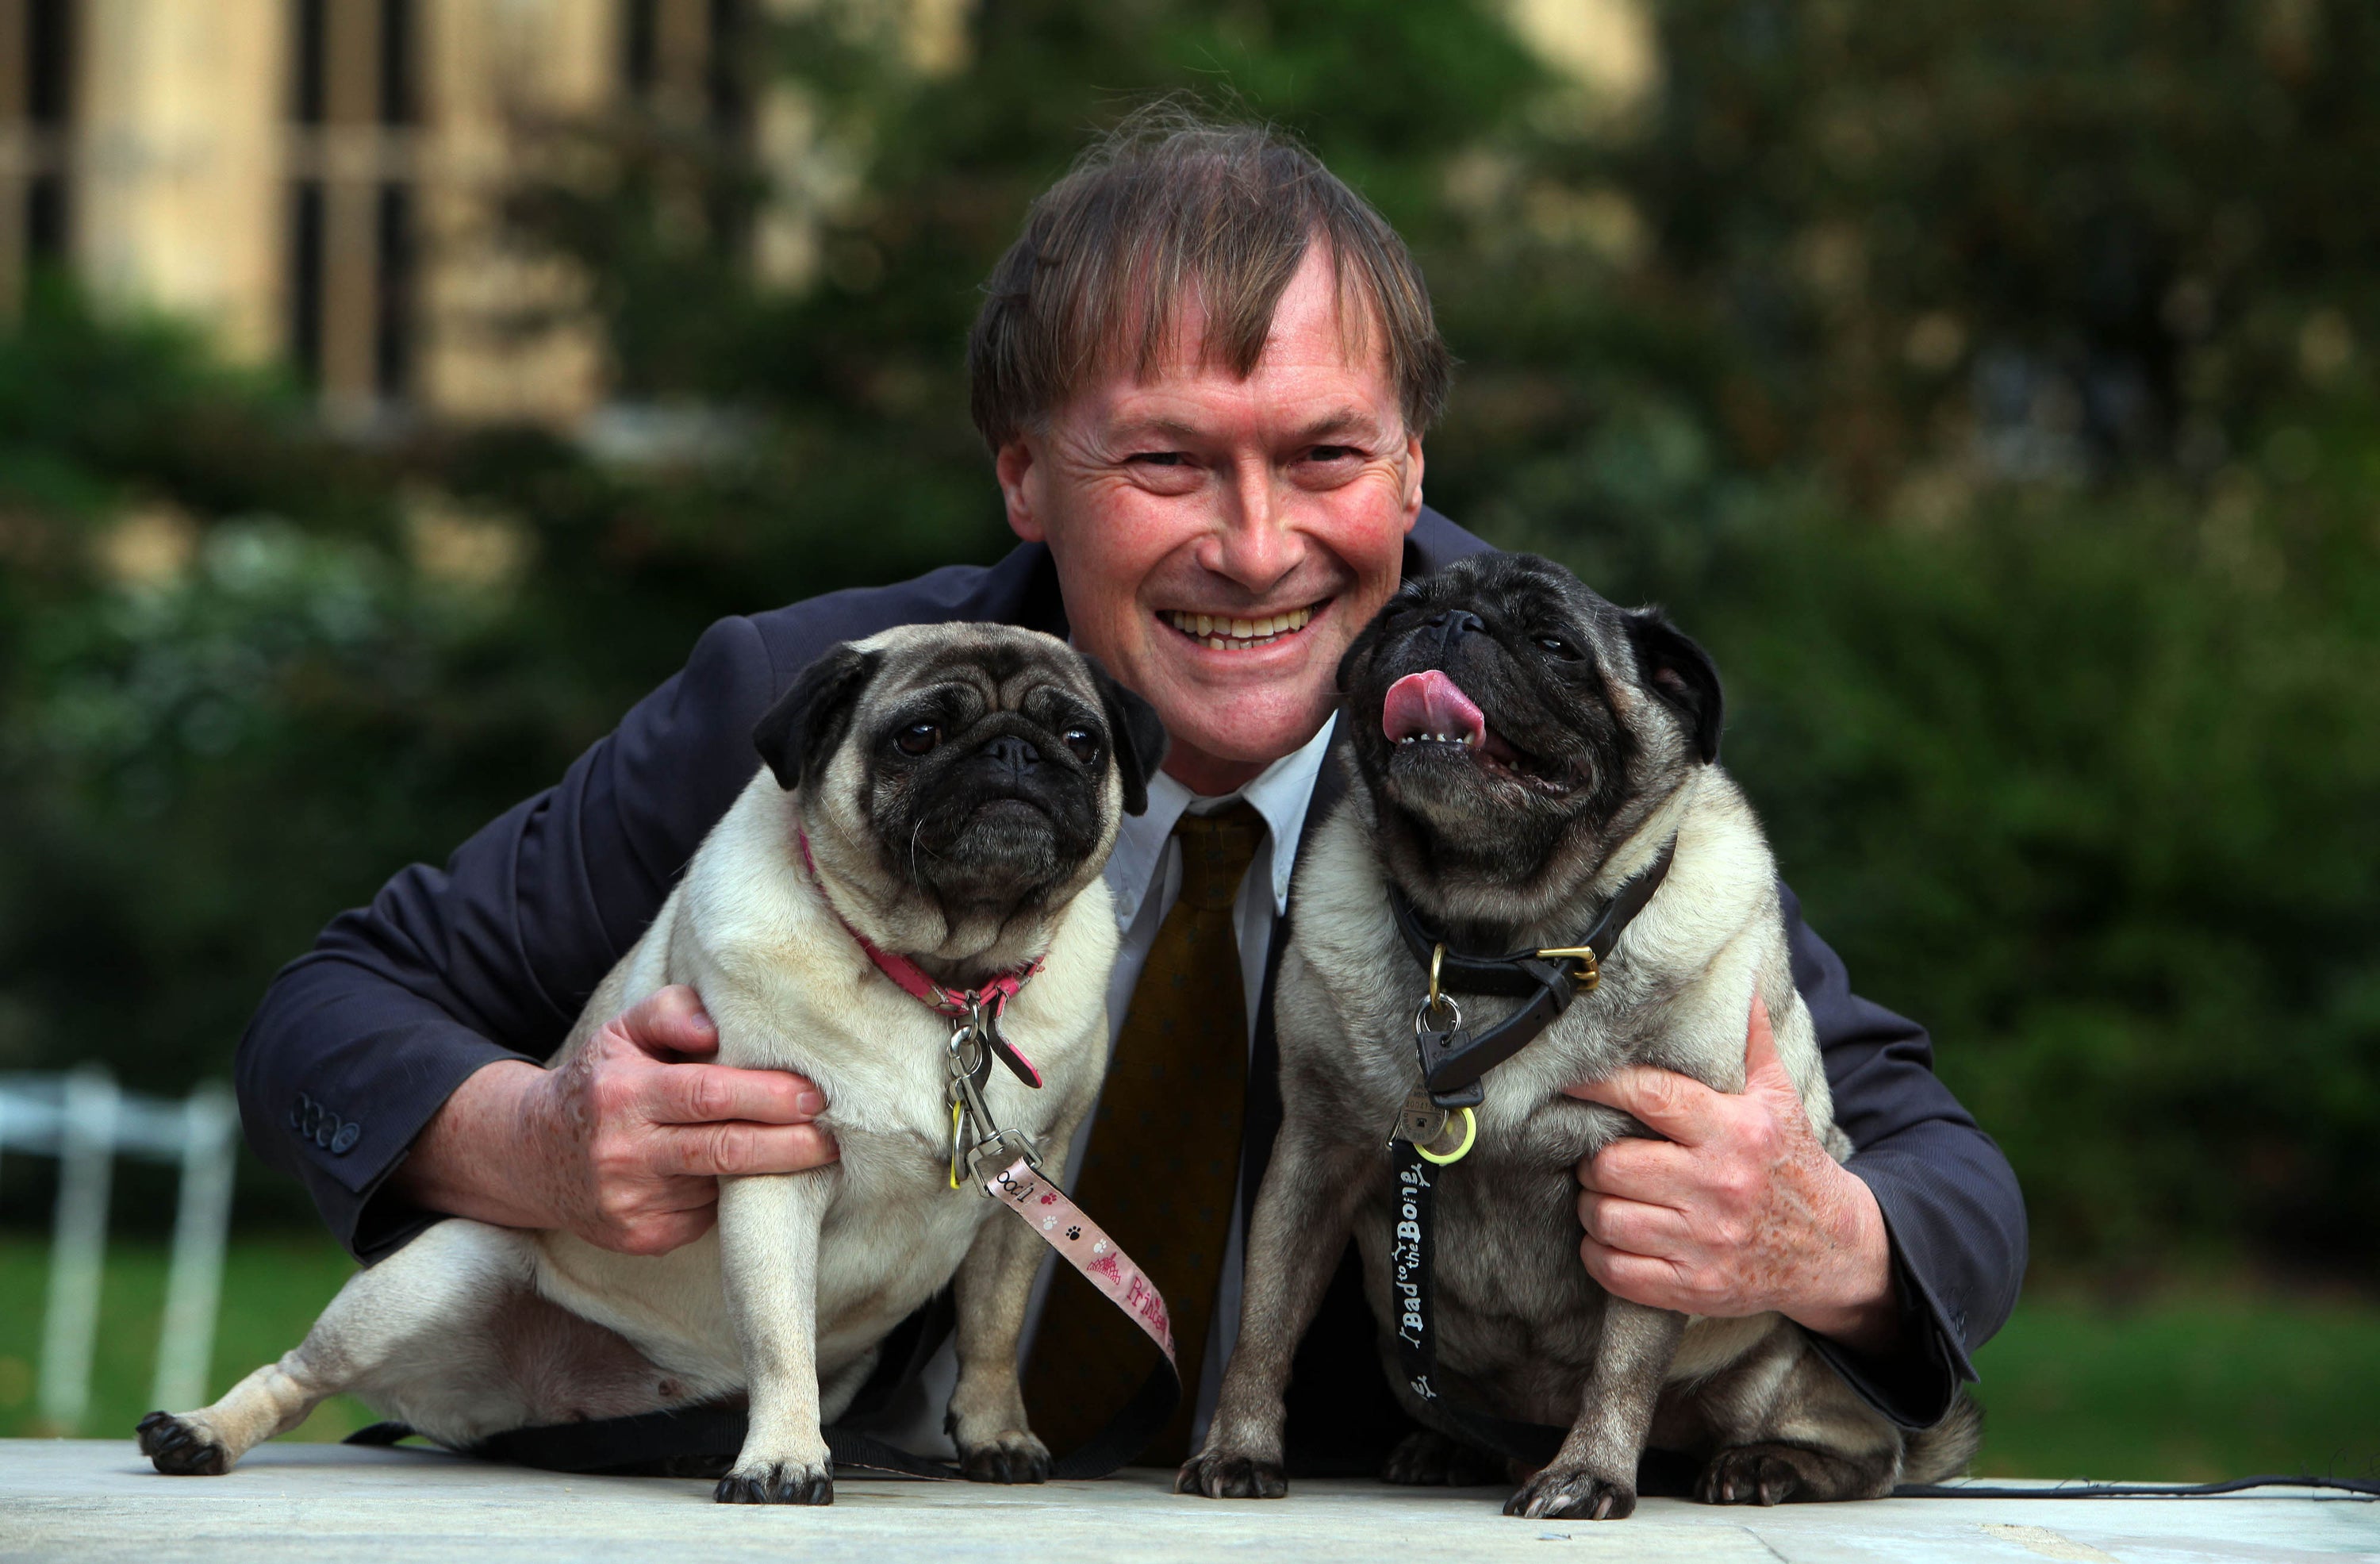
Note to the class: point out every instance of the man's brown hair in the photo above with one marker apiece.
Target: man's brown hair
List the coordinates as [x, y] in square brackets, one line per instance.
[1171, 206]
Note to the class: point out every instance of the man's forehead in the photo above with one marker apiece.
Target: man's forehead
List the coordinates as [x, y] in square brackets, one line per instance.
[1324, 368]
[1179, 413]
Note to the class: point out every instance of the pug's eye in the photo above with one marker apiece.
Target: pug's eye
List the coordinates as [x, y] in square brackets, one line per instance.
[1557, 646]
[917, 740]
[1082, 743]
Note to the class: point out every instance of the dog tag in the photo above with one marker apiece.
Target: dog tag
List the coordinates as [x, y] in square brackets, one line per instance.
[1441, 1135]
[1420, 1121]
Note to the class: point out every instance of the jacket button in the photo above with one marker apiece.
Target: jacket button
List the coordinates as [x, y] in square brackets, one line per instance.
[298, 1114]
[324, 1130]
[345, 1141]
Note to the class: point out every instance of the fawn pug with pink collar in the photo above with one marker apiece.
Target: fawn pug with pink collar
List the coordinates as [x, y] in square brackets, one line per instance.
[947, 794]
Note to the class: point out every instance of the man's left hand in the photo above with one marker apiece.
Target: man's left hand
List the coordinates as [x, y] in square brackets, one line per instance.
[1740, 1210]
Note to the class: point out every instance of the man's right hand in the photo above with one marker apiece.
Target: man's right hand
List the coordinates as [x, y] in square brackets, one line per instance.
[622, 1144]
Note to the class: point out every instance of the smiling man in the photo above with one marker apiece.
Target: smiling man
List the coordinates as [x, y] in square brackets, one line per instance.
[1203, 371]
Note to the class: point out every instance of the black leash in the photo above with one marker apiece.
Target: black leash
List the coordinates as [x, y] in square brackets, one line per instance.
[1409, 1271]
[1430, 1137]
[2363, 1489]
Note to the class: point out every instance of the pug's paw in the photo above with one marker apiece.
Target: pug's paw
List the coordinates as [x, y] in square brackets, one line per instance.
[1752, 1474]
[777, 1481]
[1572, 1494]
[180, 1446]
[1013, 1456]
[1222, 1474]
[1427, 1459]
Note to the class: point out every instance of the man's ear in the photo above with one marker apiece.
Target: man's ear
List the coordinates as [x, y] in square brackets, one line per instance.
[802, 728]
[1134, 732]
[1681, 675]
[1013, 465]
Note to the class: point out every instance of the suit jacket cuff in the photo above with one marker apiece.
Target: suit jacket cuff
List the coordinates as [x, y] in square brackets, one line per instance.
[1916, 1384]
[352, 1112]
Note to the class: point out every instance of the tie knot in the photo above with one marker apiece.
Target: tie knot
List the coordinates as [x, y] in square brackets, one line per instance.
[1216, 851]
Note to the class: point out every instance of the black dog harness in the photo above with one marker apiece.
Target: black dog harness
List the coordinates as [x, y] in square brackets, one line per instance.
[1437, 1127]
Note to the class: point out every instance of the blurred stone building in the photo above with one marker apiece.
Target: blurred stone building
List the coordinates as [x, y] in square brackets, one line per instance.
[319, 182]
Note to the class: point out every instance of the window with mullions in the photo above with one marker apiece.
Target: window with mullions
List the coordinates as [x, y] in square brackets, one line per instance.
[354, 103]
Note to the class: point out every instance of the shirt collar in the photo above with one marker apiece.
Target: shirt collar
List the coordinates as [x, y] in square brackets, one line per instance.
[1278, 794]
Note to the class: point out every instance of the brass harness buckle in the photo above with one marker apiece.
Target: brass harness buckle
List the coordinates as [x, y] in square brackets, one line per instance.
[1589, 971]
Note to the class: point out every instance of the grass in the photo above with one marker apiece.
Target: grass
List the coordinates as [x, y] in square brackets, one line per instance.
[2190, 1385]
[2194, 1383]
[273, 1290]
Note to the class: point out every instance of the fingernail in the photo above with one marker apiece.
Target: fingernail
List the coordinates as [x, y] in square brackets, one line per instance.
[809, 1102]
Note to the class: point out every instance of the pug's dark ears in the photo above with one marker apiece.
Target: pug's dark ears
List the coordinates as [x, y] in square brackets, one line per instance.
[1680, 676]
[802, 729]
[1136, 734]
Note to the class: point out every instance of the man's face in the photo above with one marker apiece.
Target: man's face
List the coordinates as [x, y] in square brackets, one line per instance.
[1219, 541]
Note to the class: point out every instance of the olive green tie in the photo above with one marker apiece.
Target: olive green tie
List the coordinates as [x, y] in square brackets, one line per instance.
[1164, 1155]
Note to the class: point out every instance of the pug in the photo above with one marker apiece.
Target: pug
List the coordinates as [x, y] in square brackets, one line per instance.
[1526, 763]
[948, 793]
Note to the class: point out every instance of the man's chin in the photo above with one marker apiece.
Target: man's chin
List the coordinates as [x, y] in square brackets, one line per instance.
[1212, 756]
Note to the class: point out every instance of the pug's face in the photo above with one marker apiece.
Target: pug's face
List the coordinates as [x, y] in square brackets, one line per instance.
[966, 780]
[1513, 727]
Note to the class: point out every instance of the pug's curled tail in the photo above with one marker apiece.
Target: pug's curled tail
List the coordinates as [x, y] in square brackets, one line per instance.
[1946, 1450]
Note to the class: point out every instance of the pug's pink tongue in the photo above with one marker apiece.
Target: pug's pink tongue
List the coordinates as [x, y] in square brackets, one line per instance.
[1430, 703]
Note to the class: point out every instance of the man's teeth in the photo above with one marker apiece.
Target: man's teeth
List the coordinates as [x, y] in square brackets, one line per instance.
[1226, 634]
[1468, 740]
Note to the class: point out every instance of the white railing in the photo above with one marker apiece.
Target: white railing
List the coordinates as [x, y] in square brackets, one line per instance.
[86, 1122]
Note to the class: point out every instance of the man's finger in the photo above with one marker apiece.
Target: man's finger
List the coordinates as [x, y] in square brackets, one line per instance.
[1638, 1278]
[740, 1151]
[1630, 1226]
[1663, 1100]
[671, 1022]
[700, 1094]
[1657, 1172]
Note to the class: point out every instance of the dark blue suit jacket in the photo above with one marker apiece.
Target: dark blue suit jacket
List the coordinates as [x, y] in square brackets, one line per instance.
[360, 1040]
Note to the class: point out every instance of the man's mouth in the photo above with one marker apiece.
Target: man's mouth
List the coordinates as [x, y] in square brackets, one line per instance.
[1224, 633]
[1428, 708]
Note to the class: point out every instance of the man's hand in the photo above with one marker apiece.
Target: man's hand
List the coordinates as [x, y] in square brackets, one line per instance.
[624, 1145]
[1740, 1210]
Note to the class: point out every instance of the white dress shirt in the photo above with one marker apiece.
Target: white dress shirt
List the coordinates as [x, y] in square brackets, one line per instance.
[1144, 877]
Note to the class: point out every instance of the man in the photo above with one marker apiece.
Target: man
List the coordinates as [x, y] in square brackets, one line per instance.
[1205, 372]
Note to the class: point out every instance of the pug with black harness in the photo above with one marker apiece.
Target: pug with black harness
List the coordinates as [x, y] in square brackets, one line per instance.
[1539, 875]
[906, 906]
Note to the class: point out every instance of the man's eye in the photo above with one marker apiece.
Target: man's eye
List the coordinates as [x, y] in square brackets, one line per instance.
[1155, 459]
[1332, 453]
[917, 740]
[1082, 743]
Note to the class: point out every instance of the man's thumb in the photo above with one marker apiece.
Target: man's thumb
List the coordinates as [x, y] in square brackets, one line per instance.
[1762, 1068]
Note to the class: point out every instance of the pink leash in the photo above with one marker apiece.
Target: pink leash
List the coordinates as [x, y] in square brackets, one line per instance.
[1040, 1204]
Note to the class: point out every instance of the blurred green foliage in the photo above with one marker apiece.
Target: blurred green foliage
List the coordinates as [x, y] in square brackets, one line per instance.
[1989, 387]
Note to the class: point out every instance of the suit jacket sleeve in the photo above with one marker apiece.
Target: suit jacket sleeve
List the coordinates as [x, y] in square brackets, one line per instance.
[1951, 1201]
[361, 1040]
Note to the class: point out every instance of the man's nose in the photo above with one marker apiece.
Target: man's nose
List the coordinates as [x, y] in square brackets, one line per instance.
[1255, 545]
[1454, 625]
[1017, 755]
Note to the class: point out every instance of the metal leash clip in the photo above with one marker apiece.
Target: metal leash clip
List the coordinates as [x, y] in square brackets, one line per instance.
[979, 1148]
[1441, 1125]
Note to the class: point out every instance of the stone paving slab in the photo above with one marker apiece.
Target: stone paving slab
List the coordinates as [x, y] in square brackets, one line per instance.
[97, 1499]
